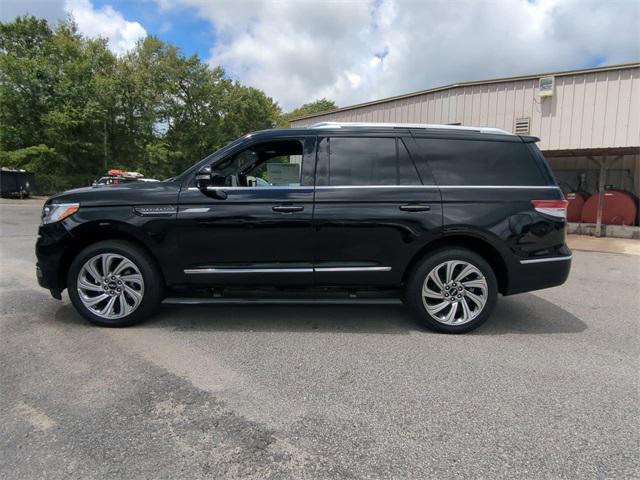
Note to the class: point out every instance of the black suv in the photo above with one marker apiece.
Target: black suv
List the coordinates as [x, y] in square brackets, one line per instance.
[440, 217]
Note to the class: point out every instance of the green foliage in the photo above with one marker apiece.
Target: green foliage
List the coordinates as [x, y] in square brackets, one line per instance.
[68, 106]
[319, 106]
[38, 158]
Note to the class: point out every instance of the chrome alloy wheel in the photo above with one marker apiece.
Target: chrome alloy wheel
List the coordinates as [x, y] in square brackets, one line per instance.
[454, 292]
[110, 286]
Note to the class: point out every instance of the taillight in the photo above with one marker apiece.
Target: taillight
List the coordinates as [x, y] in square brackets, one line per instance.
[554, 208]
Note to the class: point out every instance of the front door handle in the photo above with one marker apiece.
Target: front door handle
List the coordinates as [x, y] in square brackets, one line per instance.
[415, 207]
[287, 208]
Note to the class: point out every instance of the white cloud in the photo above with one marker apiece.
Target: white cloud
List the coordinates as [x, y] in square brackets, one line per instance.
[297, 51]
[105, 22]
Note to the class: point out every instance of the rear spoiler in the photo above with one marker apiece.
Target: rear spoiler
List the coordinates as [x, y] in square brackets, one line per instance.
[529, 139]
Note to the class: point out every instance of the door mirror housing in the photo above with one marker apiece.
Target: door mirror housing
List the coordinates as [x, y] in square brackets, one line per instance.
[203, 177]
[206, 178]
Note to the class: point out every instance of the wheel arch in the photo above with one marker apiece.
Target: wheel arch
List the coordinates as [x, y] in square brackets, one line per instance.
[471, 242]
[91, 233]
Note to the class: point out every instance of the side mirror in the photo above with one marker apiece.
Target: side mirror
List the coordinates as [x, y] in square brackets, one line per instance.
[203, 177]
[206, 178]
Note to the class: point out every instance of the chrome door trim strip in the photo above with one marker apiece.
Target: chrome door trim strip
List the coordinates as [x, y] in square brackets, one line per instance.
[352, 269]
[191, 271]
[543, 260]
[215, 270]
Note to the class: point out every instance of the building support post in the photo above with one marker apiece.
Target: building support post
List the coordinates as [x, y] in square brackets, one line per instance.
[604, 163]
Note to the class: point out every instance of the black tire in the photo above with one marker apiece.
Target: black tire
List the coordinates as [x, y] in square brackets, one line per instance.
[153, 283]
[413, 289]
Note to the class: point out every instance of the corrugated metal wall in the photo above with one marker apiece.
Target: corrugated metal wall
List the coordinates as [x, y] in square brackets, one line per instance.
[588, 110]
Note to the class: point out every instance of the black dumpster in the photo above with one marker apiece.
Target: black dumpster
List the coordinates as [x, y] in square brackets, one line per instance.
[16, 183]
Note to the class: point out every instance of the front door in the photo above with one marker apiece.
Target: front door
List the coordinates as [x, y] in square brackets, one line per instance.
[256, 228]
[373, 211]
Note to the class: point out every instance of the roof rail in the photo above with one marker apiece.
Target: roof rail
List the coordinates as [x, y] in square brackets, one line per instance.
[409, 125]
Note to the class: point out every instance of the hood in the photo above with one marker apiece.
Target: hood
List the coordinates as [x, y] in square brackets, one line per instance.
[133, 193]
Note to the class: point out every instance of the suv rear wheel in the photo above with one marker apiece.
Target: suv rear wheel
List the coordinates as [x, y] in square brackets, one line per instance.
[114, 283]
[452, 290]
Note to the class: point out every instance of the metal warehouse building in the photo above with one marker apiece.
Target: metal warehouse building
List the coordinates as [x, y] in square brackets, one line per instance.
[588, 121]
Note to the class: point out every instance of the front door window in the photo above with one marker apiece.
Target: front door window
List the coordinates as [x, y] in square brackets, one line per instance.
[270, 164]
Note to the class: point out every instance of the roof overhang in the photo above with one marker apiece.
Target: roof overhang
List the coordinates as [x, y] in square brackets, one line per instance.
[591, 152]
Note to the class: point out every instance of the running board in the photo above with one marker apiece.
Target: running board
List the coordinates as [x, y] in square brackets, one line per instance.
[281, 301]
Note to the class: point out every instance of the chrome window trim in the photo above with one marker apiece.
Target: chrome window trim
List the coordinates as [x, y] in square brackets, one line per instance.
[505, 187]
[264, 189]
[544, 260]
[428, 187]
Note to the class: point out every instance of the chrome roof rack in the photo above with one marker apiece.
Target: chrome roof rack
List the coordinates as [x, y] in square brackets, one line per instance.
[409, 125]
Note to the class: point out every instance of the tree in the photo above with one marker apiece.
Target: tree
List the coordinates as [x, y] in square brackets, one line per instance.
[319, 106]
[68, 106]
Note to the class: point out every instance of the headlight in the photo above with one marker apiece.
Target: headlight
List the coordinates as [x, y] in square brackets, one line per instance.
[54, 212]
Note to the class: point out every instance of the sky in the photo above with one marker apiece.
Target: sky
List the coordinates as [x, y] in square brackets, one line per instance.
[354, 51]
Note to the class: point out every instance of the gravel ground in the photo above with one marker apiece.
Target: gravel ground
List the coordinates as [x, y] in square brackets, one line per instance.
[549, 388]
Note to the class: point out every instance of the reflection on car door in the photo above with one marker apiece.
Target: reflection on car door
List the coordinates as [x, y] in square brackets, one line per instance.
[259, 234]
[372, 213]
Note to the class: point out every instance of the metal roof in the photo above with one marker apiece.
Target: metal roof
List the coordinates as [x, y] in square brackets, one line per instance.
[472, 83]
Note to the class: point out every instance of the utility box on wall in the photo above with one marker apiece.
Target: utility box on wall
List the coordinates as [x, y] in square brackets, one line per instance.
[546, 86]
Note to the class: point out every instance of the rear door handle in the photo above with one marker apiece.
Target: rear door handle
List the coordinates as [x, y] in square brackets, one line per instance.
[415, 207]
[287, 208]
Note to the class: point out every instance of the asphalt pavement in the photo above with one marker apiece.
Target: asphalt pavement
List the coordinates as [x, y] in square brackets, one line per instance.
[548, 388]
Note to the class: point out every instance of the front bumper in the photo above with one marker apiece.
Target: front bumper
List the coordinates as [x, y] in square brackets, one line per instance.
[54, 249]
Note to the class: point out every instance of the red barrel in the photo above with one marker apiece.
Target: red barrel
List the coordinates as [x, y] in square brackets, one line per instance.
[619, 208]
[576, 202]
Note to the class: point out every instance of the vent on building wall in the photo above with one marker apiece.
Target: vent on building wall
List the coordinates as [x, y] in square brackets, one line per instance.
[522, 126]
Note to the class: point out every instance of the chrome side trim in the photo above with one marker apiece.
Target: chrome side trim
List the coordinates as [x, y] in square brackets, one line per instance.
[195, 210]
[352, 269]
[544, 260]
[281, 301]
[191, 271]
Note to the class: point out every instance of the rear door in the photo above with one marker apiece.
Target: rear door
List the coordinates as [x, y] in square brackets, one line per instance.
[373, 211]
[488, 183]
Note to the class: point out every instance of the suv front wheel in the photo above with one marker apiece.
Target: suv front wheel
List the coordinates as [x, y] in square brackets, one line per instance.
[114, 283]
[452, 290]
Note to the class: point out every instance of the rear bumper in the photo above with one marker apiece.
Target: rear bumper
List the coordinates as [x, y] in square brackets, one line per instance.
[536, 274]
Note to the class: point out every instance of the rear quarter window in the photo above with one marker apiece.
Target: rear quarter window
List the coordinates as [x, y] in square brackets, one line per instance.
[478, 162]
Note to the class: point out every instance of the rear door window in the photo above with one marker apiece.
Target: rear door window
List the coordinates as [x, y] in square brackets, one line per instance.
[364, 161]
[478, 162]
